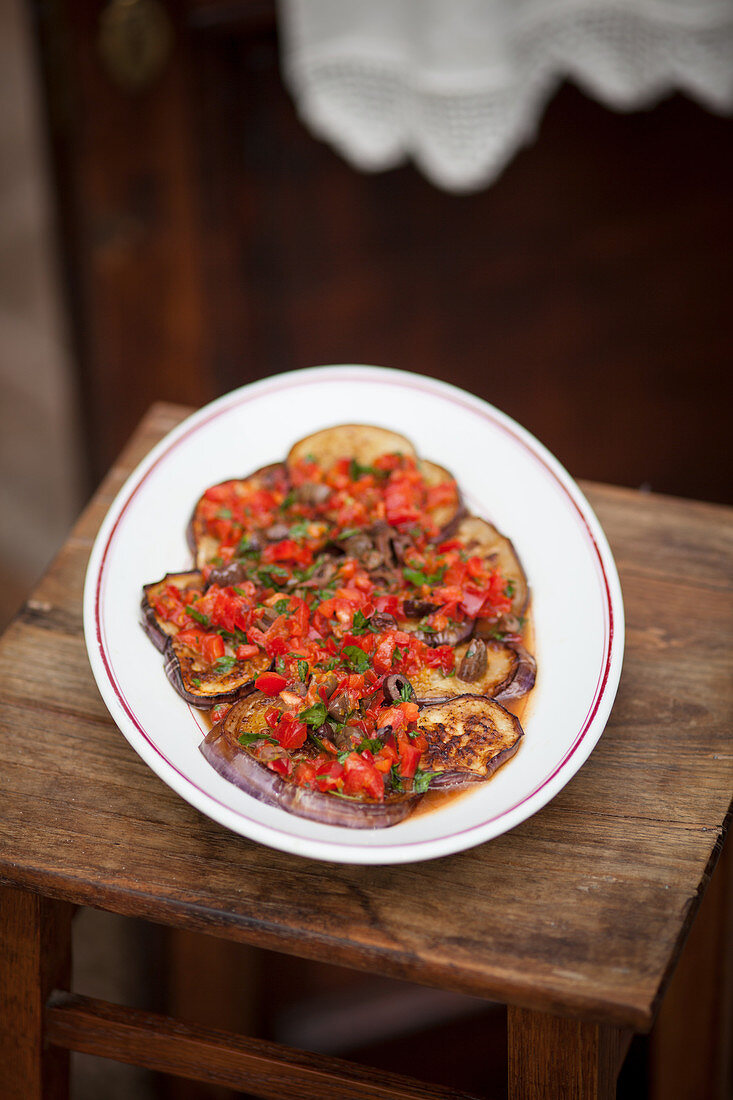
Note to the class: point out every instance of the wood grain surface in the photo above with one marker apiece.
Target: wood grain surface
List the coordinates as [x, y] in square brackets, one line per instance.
[582, 909]
[264, 1069]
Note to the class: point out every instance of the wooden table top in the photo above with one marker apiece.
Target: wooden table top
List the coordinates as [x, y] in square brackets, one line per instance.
[581, 909]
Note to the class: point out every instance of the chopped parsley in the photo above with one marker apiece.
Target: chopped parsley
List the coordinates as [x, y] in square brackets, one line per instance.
[224, 664]
[246, 549]
[422, 780]
[198, 616]
[356, 470]
[247, 738]
[373, 744]
[300, 530]
[314, 716]
[419, 578]
[272, 576]
[395, 779]
[357, 658]
[361, 625]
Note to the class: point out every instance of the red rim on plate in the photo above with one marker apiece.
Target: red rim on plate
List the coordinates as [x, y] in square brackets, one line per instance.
[558, 479]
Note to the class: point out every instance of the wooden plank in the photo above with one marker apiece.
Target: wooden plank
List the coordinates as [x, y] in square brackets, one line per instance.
[260, 1068]
[553, 1057]
[611, 870]
[35, 934]
[691, 1044]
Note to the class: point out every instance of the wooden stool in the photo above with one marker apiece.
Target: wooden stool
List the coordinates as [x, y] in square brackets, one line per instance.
[575, 919]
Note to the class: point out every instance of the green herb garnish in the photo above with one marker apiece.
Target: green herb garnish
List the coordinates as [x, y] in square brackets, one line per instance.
[198, 616]
[272, 576]
[373, 744]
[282, 606]
[395, 779]
[300, 530]
[314, 716]
[418, 577]
[356, 470]
[361, 625]
[247, 738]
[422, 780]
[357, 658]
[224, 664]
[302, 670]
[246, 549]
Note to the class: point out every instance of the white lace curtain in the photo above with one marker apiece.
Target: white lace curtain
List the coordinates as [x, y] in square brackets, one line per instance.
[457, 86]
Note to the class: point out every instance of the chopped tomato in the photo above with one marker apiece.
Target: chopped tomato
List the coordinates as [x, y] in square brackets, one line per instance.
[383, 653]
[244, 652]
[304, 774]
[410, 754]
[329, 777]
[392, 605]
[220, 711]
[385, 758]
[270, 683]
[281, 764]
[290, 732]
[212, 647]
[361, 775]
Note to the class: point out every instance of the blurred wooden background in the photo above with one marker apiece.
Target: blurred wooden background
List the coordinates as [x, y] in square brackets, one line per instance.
[209, 240]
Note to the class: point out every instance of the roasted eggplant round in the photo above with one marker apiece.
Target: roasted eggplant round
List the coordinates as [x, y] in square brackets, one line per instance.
[236, 761]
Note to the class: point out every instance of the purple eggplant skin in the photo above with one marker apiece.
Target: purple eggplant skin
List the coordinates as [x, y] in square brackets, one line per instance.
[523, 679]
[234, 685]
[158, 631]
[234, 763]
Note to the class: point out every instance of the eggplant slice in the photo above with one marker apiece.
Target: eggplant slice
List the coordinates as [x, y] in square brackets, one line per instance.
[468, 737]
[444, 516]
[203, 545]
[238, 765]
[504, 667]
[157, 629]
[483, 540]
[362, 442]
[201, 684]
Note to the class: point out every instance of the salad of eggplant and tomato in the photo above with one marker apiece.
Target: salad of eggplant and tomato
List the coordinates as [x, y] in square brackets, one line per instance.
[351, 630]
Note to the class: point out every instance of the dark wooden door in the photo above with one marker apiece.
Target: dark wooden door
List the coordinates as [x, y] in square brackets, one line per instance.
[210, 240]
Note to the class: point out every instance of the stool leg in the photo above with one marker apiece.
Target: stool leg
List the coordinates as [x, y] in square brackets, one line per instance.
[35, 957]
[553, 1057]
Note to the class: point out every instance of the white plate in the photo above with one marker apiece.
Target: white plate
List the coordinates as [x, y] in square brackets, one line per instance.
[506, 476]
